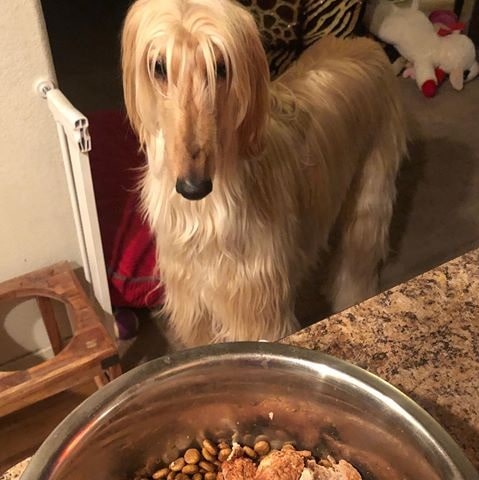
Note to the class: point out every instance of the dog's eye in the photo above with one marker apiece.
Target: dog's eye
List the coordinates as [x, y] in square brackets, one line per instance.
[220, 70]
[160, 70]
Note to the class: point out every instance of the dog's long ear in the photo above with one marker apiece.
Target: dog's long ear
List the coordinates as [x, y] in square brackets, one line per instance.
[136, 89]
[128, 41]
[252, 128]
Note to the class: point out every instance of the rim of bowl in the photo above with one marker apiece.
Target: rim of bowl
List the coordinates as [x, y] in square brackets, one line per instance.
[44, 459]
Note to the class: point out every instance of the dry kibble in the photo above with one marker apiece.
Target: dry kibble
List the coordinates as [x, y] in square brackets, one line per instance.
[262, 447]
[207, 466]
[178, 464]
[249, 452]
[190, 469]
[223, 454]
[325, 462]
[192, 455]
[210, 447]
[248, 440]
[268, 458]
[207, 455]
[305, 453]
[162, 473]
[276, 444]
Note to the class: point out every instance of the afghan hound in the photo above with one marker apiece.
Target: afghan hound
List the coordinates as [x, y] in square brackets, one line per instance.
[246, 177]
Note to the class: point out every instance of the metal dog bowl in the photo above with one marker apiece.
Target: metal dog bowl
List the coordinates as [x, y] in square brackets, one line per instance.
[242, 390]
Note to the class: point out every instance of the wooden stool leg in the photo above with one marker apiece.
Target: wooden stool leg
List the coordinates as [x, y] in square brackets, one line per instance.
[101, 380]
[108, 375]
[46, 309]
[114, 371]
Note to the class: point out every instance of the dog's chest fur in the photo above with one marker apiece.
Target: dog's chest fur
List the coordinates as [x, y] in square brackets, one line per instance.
[227, 235]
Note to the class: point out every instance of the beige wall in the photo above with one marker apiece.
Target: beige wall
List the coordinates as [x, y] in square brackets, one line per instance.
[36, 224]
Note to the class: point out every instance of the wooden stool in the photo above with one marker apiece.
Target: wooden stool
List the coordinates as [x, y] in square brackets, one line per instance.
[90, 353]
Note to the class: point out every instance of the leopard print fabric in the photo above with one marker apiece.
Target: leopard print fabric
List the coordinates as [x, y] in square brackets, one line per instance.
[279, 22]
[290, 26]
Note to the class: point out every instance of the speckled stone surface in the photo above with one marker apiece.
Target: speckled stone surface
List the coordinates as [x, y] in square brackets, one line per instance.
[15, 472]
[421, 336]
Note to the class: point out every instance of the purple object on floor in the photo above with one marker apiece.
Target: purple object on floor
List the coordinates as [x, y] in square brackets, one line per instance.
[446, 17]
[126, 324]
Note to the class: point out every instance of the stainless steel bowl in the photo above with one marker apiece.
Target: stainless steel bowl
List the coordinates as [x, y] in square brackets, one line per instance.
[242, 390]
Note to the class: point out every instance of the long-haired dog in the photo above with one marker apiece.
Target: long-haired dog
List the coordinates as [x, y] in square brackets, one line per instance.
[246, 178]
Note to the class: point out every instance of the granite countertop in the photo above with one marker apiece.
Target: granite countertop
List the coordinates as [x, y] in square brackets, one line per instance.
[15, 472]
[421, 336]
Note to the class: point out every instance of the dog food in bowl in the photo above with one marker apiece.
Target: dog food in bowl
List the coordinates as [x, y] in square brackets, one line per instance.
[225, 461]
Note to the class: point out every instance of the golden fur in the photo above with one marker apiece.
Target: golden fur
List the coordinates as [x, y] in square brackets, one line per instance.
[288, 159]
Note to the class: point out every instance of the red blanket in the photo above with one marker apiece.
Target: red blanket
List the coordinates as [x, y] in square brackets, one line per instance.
[128, 245]
[132, 277]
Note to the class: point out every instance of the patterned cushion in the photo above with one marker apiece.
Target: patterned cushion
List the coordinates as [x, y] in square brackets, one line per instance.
[290, 26]
[279, 22]
[329, 17]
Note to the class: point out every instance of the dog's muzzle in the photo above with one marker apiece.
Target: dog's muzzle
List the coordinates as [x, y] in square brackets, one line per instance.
[194, 189]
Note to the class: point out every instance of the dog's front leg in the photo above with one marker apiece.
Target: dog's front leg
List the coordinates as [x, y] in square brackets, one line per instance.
[189, 321]
[254, 307]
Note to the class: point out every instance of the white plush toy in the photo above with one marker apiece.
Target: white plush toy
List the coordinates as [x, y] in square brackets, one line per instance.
[415, 38]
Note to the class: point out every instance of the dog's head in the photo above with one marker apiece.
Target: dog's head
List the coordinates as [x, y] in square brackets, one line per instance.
[195, 79]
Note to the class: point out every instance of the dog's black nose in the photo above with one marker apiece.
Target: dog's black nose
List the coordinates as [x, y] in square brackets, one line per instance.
[194, 189]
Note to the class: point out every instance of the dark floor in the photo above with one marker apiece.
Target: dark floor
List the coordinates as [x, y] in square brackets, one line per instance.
[437, 212]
